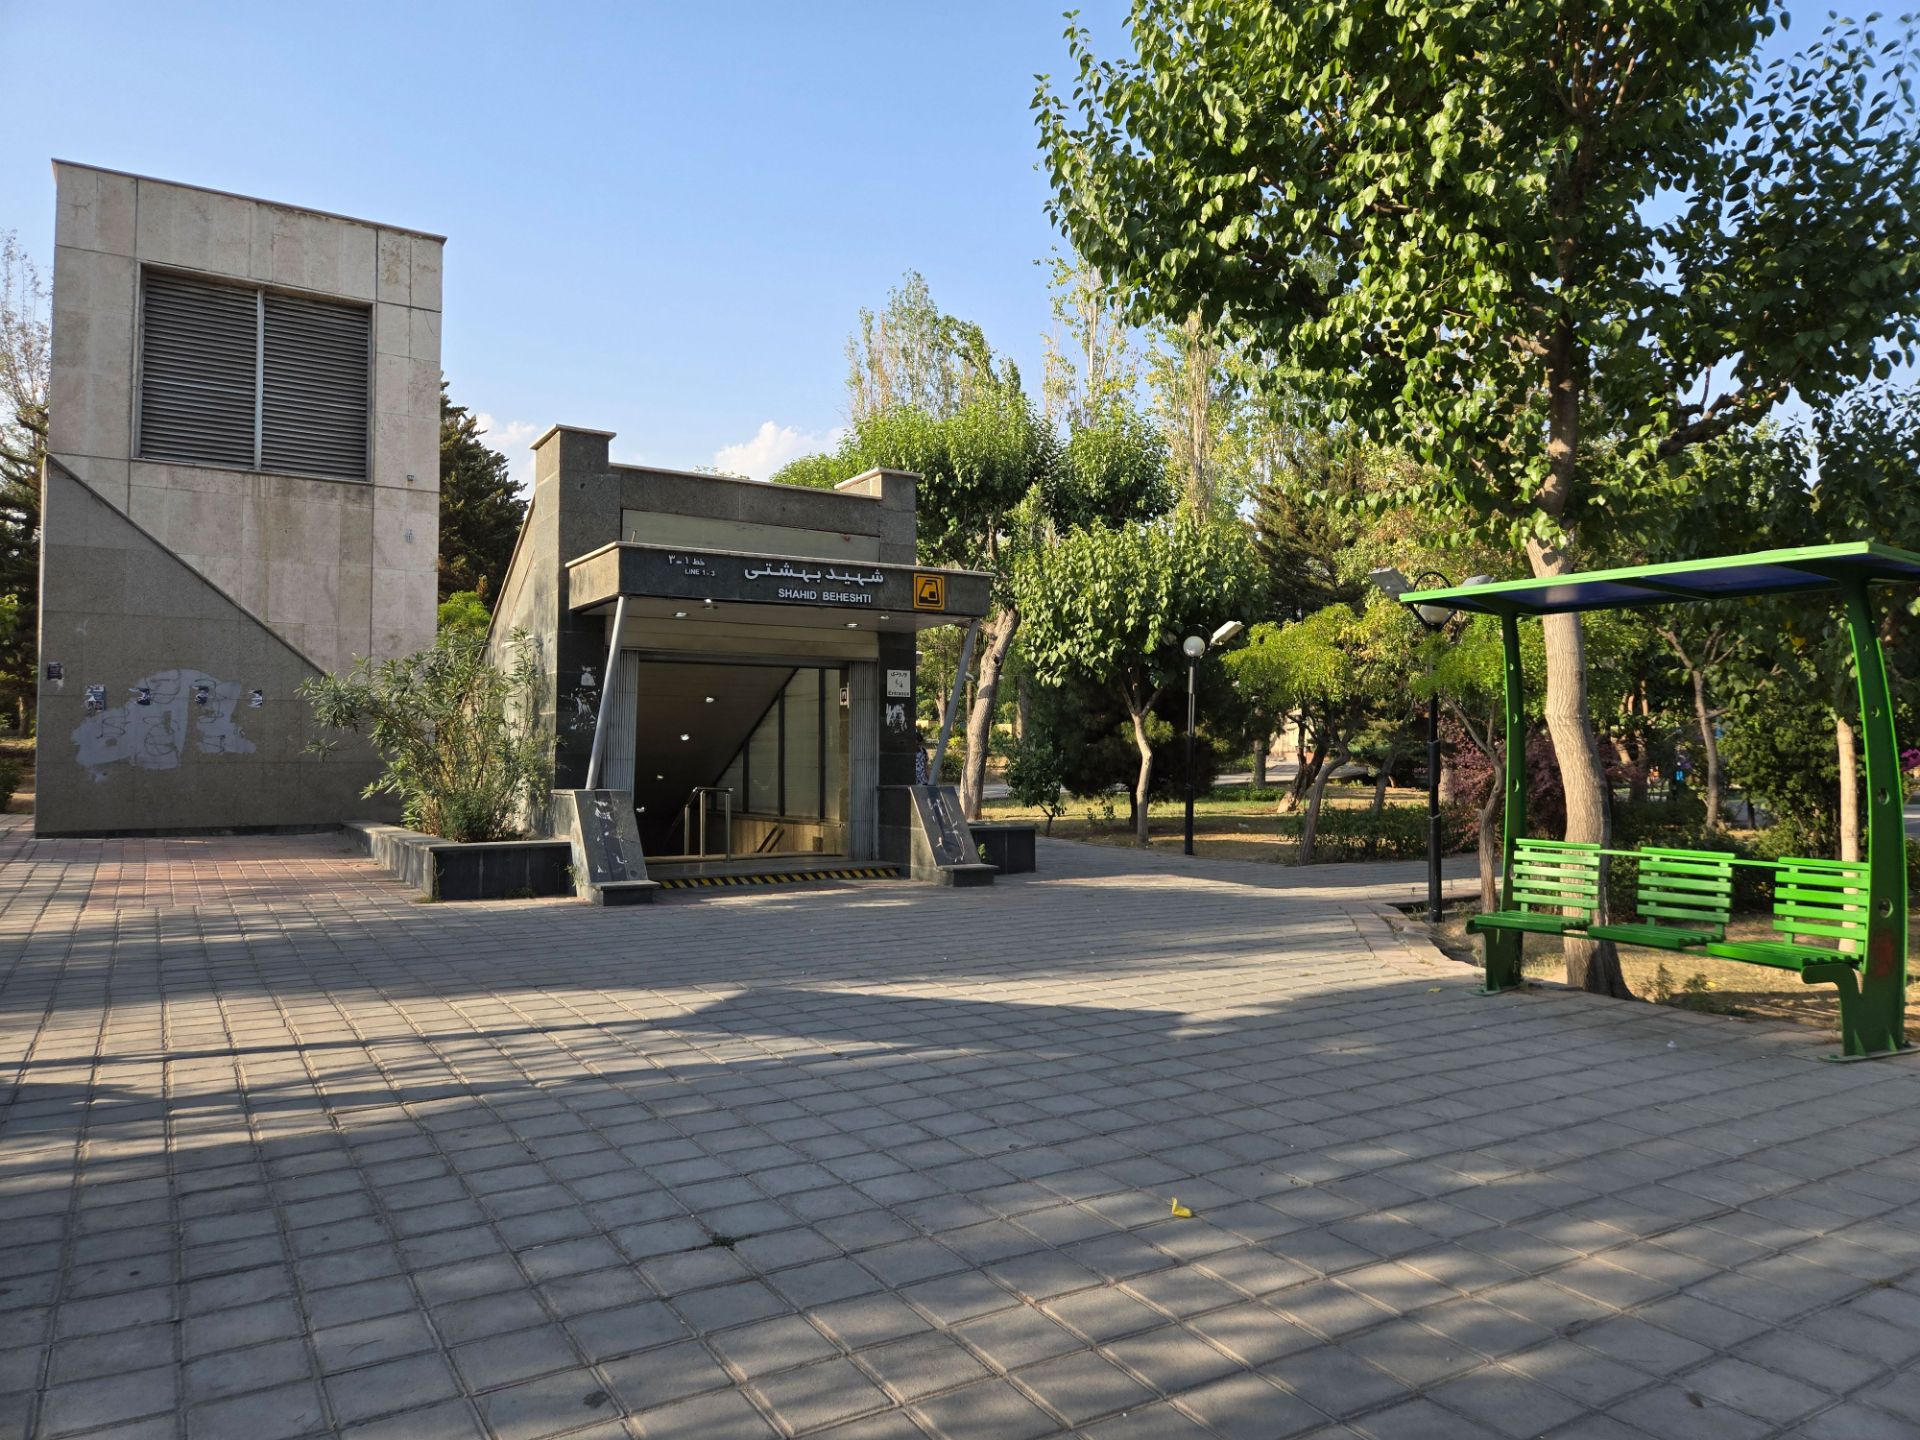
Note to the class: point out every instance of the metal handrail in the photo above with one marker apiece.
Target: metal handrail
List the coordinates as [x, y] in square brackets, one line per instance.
[699, 794]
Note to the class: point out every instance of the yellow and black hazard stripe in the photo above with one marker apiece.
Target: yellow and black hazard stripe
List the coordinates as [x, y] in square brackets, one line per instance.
[782, 877]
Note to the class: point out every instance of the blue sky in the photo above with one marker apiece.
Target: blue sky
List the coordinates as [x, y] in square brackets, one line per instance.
[662, 218]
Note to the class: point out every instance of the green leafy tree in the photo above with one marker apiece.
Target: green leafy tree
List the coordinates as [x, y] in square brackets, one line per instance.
[995, 475]
[459, 737]
[465, 613]
[25, 351]
[480, 507]
[1495, 235]
[1343, 670]
[1109, 606]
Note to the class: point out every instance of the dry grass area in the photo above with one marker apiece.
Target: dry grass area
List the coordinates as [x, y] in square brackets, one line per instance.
[1719, 986]
[1222, 829]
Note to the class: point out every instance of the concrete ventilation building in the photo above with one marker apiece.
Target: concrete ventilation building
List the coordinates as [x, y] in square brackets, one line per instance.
[241, 491]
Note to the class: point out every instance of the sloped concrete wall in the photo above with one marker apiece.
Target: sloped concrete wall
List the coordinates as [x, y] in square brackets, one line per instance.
[164, 706]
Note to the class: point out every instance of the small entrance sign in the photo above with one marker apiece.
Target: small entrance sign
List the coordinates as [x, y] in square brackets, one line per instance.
[929, 591]
[899, 684]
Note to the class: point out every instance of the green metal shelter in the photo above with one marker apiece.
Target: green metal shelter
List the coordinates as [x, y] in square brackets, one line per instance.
[1873, 977]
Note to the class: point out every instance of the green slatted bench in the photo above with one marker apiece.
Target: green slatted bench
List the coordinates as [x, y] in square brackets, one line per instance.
[1826, 898]
[1553, 889]
[1693, 887]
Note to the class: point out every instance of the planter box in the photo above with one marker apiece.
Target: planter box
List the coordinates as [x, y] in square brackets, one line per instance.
[489, 870]
[1005, 844]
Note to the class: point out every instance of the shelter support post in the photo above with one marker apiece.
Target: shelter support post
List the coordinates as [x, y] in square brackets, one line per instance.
[607, 681]
[1878, 1023]
[953, 702]
[1505, 948]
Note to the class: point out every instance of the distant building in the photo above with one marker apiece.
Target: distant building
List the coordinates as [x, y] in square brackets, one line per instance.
[241, 492]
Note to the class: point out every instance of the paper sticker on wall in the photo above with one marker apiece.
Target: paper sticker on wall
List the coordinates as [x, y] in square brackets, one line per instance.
[256, 698]
[56, 672]
[153, 730]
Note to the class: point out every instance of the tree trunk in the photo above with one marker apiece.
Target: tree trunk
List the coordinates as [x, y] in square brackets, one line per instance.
[1310, 825]
[1380, 788]
[1304, 774]
[1261, 749]
[1022, 707]
[1592, 965]
[1145, 782]
[1709, 748]
[1487, 849]
[993, 659]
[1849, 789]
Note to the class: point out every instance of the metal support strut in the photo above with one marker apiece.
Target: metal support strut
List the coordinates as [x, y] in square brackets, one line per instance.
[1505, 948]
[1878, 1024]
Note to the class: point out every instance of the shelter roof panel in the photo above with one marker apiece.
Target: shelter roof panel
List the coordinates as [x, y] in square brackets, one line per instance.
[1767, 572]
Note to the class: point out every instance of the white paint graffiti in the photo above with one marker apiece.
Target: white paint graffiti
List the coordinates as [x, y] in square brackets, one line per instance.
[149, 732]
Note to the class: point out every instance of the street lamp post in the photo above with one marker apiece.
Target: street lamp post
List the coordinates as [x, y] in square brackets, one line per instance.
[1193, 647]
[1434, 619]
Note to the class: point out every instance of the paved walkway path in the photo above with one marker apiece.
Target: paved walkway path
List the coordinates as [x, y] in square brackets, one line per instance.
[287, 1153]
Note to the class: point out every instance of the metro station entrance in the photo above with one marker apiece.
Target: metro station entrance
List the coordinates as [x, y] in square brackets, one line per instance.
[730, 760]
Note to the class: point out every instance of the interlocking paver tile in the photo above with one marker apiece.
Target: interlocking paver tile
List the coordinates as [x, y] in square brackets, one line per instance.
[234, 1372]
[990, 1407]
[263, 1415]
[728, 1415]
[554, 1405]
[1249, 1407]
[103, 1400]
[518, 1355]
[769, 1345]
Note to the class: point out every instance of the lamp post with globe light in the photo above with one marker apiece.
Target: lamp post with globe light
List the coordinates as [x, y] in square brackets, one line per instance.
[1434, 619]
[1194, 648]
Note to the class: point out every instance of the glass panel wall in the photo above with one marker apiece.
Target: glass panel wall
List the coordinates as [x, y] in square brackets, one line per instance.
[791, 775]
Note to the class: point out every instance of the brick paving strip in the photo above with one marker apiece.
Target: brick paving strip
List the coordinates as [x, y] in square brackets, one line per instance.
[286, 1153]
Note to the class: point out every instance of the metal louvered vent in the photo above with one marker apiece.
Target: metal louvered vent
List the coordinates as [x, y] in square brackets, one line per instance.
[199, 359]
[313, 415]
[254, 379]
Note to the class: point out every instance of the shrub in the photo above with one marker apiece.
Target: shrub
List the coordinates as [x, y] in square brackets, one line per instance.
[458, 735]
[1398, 832]
[1035, 773]
[12, 767]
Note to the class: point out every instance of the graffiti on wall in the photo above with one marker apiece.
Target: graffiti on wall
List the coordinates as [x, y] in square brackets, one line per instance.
[163, 717]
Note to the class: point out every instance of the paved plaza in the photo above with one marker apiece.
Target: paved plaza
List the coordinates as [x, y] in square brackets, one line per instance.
[286, 1152]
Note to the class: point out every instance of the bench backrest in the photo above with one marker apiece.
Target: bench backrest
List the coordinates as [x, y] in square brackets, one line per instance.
[1558, 875]
[1693, 886]
[1821, 897]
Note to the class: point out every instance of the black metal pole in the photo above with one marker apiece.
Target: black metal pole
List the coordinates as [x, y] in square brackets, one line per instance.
[1433, 808]
[1191, 669]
